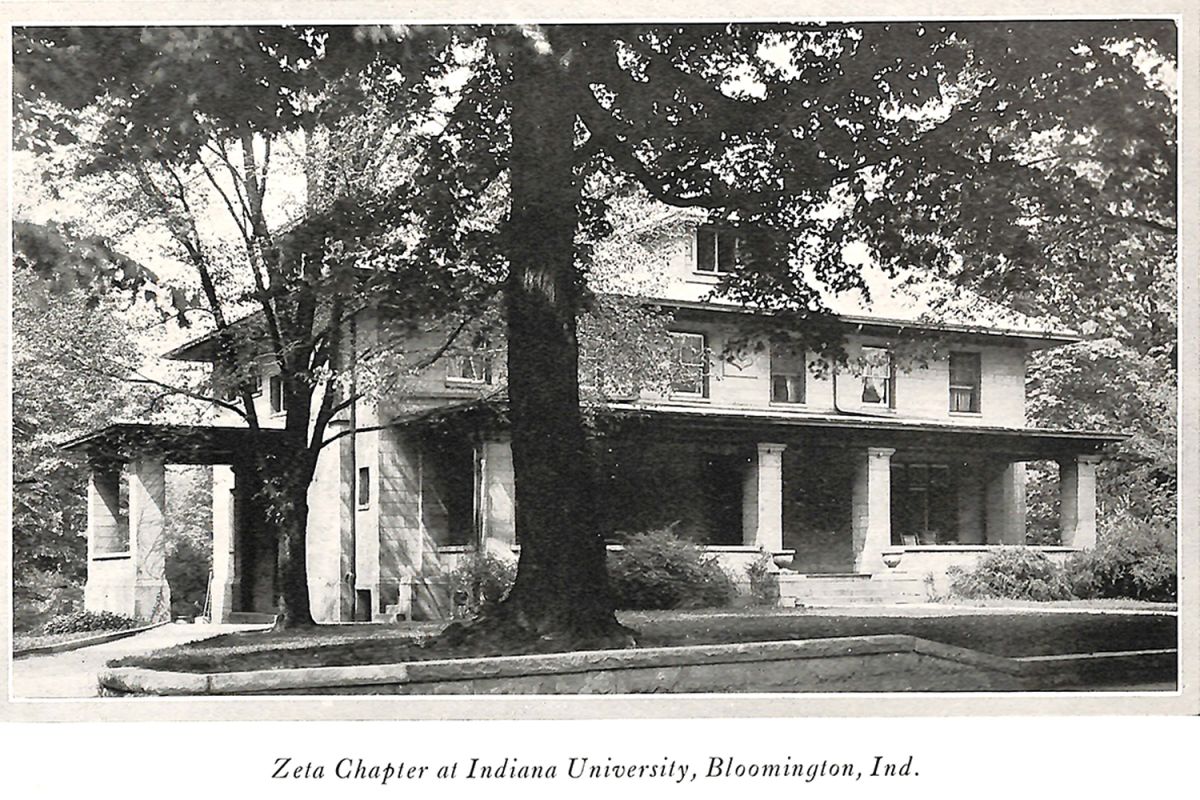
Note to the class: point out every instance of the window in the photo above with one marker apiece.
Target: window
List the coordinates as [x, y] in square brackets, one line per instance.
[964, 382]
[716, 251]
[475, 368]
[364, 487]
[923, 504]
[277, 405]
[787, 375]
[691, 365]
[879, 379]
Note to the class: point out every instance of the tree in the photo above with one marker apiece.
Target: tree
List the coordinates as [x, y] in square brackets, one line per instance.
[60, 387]
[962, 150]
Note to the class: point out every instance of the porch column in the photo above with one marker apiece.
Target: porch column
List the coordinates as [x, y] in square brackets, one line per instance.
[224, 568]
[871, 516]
[147, 512]
[496, 493]
[1006, 504]
[1077, 501]
[762, 499]
[108, 578]
[970, 491]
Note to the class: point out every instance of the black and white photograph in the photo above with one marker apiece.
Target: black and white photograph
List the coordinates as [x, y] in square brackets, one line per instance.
[772, 361]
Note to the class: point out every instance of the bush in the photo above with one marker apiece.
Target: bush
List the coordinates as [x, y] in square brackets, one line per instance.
[764, 582]
[480, 582]
[1133, 560]
[89, 621]
[658, 570]
[1015, 573]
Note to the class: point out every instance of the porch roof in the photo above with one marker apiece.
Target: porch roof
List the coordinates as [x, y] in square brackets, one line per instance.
[175, 444]
[851, 430]
[726, 425]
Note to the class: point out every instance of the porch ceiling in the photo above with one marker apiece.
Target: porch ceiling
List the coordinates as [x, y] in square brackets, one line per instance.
[175, 444]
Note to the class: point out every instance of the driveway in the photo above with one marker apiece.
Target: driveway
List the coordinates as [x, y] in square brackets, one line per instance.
[73, 674]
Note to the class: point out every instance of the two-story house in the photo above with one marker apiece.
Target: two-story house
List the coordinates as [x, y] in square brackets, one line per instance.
[865, 480]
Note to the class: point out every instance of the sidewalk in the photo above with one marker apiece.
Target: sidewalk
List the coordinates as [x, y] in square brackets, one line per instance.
[73, 674]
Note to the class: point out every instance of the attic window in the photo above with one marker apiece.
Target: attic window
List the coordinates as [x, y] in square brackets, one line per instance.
[716, 250]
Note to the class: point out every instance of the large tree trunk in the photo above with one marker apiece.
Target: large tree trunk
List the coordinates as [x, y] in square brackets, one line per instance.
[561, 592]
[286, 478]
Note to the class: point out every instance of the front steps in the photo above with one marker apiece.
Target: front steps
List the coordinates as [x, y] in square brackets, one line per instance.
[846, 589]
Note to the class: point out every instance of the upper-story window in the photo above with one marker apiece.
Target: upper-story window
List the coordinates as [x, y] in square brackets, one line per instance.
[691, 365]
[964, 382]
[473, 368]
[878, 377]
[716, 250]
[787, 375]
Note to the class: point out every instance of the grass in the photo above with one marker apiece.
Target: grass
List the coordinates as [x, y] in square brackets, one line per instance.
[23, 641]
[1019, 634]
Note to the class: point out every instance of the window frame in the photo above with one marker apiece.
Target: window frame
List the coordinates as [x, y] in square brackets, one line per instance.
[704, 364]
[888, 378]
[975, 389]
[362, 488]
[716, 232]
[454, 369]
[795, 372]
[273, 381]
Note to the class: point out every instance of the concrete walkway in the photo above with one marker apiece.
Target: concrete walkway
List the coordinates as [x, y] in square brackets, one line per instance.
[73, 674]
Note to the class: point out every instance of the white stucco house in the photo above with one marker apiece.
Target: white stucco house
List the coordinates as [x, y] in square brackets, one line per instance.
[865, 482]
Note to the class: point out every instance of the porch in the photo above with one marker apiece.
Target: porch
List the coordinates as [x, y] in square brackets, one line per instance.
[127, 517]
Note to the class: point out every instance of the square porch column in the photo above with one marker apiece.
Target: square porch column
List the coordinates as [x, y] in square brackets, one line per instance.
[871, 516]
[762, 499]
[109, 576]
[1006, 503]
[496, 494]
[224, 586]
[148, 543]
[1077, 501]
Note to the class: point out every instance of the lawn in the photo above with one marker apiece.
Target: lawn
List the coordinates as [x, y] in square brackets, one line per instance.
[1004, 634]
[24, 641]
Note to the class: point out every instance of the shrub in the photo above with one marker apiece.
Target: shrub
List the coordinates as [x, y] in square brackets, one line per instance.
[89, 621]
[1016, 573]
[657, 569]
[1133, 560]
[480, 582]
[764, 582]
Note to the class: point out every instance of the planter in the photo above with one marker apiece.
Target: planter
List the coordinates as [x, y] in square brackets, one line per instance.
[892, 558]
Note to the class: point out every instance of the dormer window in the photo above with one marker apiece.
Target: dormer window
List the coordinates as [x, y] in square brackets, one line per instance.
[878, 377]
[716, 250]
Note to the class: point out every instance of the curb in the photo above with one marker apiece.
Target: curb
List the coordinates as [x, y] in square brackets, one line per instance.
[1035, 673]
[77, 644]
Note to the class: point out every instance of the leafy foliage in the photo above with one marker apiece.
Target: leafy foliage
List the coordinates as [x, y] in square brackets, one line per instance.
[89, 621]
[1015, 573]
[480, 582]
[657, 569]
[1132, 559]
[764, 581]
